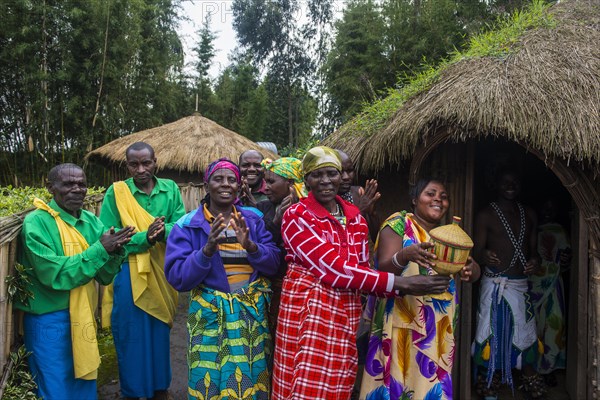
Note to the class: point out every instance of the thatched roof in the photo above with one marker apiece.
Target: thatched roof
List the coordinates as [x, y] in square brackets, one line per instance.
[188, 144]
[542, 91]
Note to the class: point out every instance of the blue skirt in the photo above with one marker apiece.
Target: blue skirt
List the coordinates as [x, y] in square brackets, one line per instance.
[48, 338]
[141, 341]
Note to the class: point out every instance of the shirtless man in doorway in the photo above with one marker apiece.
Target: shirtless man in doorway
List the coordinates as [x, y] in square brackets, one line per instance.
[506, 246]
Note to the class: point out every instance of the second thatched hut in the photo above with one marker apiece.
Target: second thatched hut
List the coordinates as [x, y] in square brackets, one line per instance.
[183, 148]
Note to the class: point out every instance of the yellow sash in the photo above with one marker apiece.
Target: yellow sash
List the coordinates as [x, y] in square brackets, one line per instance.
[83, 302]
[151, 291]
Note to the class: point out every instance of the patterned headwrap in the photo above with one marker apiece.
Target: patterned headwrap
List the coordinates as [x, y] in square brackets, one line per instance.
[288, 168]
[220, 164]
[319, 157]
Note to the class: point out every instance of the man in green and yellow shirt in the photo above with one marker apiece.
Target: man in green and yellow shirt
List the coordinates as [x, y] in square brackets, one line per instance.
[144, 303]
[64, 249]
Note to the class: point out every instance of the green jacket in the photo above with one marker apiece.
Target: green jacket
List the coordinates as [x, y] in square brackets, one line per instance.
[52, 274]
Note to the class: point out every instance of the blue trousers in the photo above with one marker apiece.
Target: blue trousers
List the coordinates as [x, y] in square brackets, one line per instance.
[141, 341]
[48, 338]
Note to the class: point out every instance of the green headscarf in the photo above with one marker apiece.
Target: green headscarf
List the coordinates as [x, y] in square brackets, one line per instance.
[288, 168]
[319, 157]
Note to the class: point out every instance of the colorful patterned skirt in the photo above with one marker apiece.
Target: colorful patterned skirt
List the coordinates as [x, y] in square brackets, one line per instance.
[411, 347]
[229, 343]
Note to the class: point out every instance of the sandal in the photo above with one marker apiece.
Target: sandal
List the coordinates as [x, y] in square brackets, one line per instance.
[534, 386]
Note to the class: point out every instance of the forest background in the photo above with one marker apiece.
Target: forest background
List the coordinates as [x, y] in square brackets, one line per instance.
[76, 74]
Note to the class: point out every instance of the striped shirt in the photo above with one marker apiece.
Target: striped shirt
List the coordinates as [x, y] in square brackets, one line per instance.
[233, 255]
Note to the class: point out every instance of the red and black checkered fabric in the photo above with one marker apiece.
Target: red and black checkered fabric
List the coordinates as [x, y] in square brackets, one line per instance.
[315, 346]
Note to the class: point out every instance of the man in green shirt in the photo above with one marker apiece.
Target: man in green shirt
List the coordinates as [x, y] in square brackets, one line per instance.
[144, 302]
[56, 269]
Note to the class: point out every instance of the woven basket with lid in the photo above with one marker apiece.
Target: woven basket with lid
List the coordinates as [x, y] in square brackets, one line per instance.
[452, 246]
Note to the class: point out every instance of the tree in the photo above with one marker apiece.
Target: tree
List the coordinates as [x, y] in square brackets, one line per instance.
[379, 43]
[205, 52]
[253, 123]
[357, 66]
[271, 33]
[78, 73]
[234, 92]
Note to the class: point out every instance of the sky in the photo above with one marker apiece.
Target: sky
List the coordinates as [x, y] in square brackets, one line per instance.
[193, 13]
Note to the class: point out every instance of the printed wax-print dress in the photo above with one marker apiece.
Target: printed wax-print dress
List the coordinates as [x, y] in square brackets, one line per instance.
[547, 294]
[230, 344]
[411, 347]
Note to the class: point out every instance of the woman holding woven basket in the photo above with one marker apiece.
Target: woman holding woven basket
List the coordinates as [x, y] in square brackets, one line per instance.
[411, 348]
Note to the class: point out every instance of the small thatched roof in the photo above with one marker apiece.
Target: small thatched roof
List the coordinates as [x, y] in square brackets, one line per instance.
[188, 144]
[542, 91]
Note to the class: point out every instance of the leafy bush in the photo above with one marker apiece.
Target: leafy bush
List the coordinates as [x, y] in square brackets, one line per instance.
[15, 200]
[20, 384]
[301, 149]
[17, 285]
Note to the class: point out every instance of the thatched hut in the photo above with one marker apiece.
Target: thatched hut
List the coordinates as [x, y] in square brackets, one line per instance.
[184, 148]
[533, 101]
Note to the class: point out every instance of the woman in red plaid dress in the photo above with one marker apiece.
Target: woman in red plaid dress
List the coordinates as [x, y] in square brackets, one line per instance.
[326, 240]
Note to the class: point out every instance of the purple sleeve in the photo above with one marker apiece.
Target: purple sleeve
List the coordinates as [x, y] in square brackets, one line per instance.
[185, 266]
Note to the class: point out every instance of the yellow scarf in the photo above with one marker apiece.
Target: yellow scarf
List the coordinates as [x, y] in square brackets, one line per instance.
[151, 291]
[83, 302]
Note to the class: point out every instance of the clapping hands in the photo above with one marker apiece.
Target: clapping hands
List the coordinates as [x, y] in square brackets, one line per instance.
[242, 233]
[367, 197]
[113, 241]
[156, 230]
[246, 194]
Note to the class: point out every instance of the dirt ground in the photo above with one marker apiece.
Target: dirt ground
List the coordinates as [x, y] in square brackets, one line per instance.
[178, 390]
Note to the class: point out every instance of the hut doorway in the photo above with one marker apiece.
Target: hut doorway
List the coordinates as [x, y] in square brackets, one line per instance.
[468, 168]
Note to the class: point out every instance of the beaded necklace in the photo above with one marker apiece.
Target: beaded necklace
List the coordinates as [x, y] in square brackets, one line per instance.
[517, 243]
[339, 214]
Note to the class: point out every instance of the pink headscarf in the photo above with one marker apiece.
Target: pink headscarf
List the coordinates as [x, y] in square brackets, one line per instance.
[220, 164]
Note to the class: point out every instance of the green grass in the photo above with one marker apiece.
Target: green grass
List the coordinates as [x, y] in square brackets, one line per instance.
[108, 370]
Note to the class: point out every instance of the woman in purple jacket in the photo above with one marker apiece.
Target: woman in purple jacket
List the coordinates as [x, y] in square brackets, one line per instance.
[220, 252]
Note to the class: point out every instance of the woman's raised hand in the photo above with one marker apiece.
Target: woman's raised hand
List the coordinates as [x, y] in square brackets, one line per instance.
[285, 204]
[418, 253]
[238, 223]
[217, 227]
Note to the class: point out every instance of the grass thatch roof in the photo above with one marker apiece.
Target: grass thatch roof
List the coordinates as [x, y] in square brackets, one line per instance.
[535, 80]
[188, 144]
